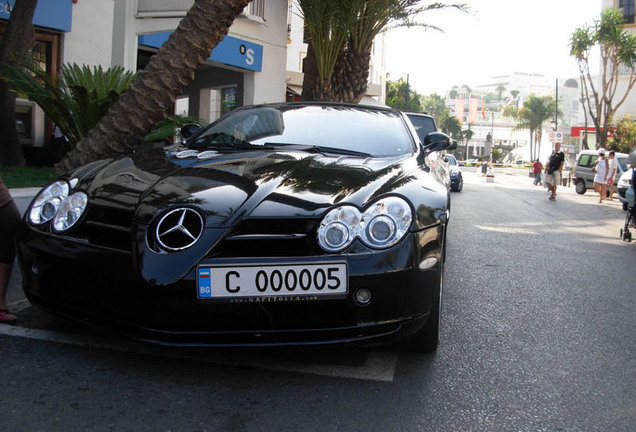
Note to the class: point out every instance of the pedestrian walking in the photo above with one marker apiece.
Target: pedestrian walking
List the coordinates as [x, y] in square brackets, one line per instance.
[537, 168]
[600, 178]
[9, 220]
[553, 170]
[613, 166]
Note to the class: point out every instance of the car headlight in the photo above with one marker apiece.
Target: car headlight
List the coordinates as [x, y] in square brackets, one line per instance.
[72, 208]
[381, 225]
[48, 202]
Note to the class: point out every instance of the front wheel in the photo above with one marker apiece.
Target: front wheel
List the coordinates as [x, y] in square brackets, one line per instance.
[580, 187]
[460, 185]
[426, 339]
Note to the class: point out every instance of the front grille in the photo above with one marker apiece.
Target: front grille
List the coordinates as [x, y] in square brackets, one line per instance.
[106, 227]
[267, 237]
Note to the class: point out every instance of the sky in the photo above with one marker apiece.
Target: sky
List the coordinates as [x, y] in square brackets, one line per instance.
[497, 37]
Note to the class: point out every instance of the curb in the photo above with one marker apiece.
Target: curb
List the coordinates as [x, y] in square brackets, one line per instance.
[24, 192]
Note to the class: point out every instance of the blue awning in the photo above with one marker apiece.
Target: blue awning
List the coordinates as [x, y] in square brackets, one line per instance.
[230, 51]
[53, 14]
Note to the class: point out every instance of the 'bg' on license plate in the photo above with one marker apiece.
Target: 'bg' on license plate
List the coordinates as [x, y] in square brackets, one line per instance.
[325, 279]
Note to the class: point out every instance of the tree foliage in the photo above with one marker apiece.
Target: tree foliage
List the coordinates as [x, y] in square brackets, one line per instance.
[534, 113]
[624, 134]
[618, 65]
[400, 95]
[79, 97]
[340, 35]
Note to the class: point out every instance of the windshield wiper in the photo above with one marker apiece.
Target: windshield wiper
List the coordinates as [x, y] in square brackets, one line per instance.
[320, 149]
[221, 139]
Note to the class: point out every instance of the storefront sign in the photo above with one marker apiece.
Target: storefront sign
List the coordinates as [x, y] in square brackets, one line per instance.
[231, 51]
[53, 14]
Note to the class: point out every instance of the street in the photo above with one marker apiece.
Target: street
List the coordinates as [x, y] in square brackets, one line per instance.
[538, 334]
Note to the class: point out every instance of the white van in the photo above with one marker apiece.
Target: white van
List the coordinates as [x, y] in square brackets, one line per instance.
[583, 176]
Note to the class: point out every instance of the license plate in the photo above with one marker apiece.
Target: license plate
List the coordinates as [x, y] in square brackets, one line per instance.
[279, 282]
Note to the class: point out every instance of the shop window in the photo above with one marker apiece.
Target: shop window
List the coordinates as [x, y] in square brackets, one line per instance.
[229, 99]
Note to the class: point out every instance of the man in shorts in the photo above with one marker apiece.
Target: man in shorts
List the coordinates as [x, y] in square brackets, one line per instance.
[553, 170]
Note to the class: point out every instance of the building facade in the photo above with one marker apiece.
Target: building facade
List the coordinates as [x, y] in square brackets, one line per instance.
[628, 8]
[247, 67]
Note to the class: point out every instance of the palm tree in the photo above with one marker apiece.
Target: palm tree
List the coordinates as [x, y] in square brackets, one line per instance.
[155, 89]
[535, 112]
[467, 135]
[340, 37]
[450, 125]
[435, 105]
[79, 97]
[14, 46]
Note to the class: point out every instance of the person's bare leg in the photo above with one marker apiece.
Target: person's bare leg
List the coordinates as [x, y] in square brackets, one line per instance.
[5, 274]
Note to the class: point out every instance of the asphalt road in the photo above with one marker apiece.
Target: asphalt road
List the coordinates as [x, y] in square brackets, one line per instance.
[538, 334]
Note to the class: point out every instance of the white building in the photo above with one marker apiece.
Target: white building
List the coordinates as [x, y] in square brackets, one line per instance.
[247, 67]
[629, 14]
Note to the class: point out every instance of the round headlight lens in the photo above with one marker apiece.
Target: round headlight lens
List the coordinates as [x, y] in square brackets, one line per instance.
[381, 229]
[70, 211]
[337, 229]
[48, 202]
[336, 235]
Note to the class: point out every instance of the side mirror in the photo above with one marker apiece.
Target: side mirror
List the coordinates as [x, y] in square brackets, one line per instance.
[438, 141]
[190, 129]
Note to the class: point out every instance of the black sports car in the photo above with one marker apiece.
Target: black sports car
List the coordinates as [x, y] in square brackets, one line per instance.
[281, 224]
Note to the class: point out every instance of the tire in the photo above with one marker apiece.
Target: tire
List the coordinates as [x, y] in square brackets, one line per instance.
[426, 339]
[580, 187]
[460, 185]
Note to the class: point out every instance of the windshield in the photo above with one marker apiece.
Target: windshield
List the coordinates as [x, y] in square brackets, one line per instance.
[365, 131]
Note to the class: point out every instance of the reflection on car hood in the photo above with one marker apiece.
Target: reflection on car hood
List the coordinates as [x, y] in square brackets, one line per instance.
[241, 184]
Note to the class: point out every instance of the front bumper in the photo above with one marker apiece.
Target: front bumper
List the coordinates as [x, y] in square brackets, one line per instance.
[104, 287]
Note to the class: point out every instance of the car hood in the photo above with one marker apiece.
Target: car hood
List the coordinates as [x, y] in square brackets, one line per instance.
[227, 188]
[238, 185]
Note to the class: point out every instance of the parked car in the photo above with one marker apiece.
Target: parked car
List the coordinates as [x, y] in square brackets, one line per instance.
[456, 177]
[623, 184]
[582, 173]
[277, 225]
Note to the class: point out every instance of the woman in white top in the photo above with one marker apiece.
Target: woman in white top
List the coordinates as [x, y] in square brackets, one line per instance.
[600, 179]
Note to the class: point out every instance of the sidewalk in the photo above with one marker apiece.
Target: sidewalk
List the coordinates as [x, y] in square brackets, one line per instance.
[15, 295]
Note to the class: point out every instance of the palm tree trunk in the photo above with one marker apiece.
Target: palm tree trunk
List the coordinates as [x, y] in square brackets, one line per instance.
[350, 77]
[15, 44]
[157, 86]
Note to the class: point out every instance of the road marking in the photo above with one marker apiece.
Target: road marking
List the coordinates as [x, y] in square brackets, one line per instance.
[379, 365]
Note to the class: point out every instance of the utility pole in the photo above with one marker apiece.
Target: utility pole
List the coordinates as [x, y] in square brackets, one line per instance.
[556, 107]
